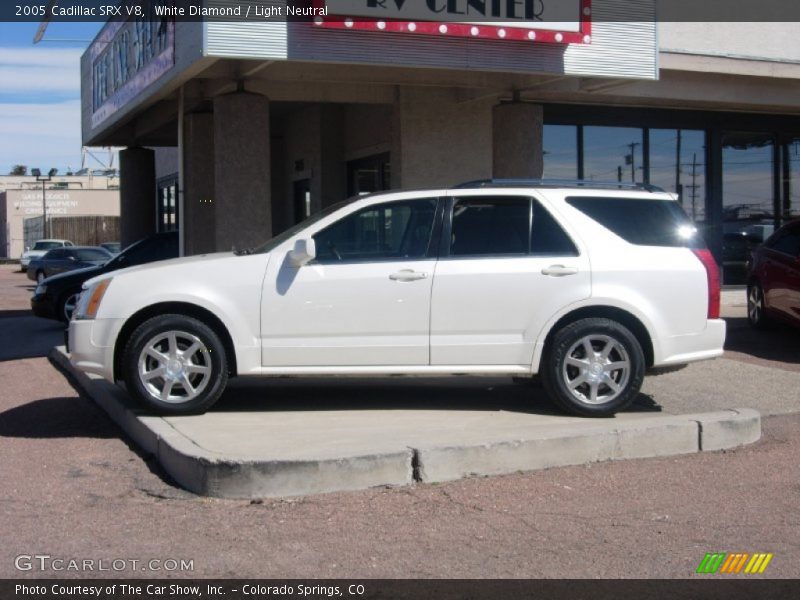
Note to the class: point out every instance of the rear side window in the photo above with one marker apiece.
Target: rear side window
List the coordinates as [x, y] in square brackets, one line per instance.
[506, 226]
[90, 254]
[547, 237]
[490, 226]
[642, 221]
[787, 242]
[46, 245]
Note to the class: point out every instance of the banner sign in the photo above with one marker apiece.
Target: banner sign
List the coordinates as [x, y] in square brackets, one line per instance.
[128, 56]
[553, 21]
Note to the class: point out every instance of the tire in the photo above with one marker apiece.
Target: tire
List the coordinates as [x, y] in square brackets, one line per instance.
[756, 307]
[40, 277]
[66, 305]
[154, 365]
[600, 391]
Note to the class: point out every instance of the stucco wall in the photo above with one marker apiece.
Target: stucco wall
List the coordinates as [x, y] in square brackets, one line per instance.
[761, 41]
[24, 204]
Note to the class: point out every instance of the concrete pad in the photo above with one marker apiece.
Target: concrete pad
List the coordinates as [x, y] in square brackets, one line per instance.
[245, 453]
[573, 443]
[729, 428]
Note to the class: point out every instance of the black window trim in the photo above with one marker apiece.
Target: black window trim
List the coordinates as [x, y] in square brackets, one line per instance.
[431, 254]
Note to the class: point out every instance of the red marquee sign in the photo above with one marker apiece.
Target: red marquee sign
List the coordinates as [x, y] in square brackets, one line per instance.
[576, 31]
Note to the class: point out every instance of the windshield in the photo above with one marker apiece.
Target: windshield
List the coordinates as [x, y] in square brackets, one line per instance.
[46, 245]
[92, 254]
[282, 237]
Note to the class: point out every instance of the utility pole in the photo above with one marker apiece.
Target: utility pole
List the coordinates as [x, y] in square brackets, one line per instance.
[632, 155]
[44, 180]
[694, 186]
[619, 173]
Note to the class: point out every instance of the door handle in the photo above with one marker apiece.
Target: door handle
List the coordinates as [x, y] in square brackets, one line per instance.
[559, 271]
[407, 275]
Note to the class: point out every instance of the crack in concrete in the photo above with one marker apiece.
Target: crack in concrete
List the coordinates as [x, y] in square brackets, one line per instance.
[417, 470]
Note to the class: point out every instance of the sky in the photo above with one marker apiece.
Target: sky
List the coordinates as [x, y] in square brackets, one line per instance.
[40, 123]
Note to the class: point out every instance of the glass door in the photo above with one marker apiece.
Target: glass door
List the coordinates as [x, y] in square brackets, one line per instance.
[367, 175]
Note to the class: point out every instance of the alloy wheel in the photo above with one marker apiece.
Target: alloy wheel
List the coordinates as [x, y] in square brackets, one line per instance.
[755, 304]
[174, 367]
[69, 305]
[596, 369]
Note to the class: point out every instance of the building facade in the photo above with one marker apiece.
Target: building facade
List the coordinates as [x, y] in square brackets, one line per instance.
[270, 120]
[21, 212]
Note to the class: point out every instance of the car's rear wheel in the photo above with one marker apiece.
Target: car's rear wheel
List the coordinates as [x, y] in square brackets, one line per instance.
[67, 304]
[175, 365]
[594, 367]
[756, 308]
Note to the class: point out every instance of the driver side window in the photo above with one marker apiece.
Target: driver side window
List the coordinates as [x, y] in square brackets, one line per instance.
[390, 231]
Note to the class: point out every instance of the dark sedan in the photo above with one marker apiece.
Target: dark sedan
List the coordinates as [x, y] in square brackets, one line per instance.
[60, 260]
[773, 287]
[55, 298]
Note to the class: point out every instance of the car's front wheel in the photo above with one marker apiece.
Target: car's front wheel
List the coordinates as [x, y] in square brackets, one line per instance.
[67, 304]
[594, 367]
[175, 365]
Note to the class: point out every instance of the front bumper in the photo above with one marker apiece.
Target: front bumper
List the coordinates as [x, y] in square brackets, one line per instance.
[24, 262]
[44, 306]
[91, 346]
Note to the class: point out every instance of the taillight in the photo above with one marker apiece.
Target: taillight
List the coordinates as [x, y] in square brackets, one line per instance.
[712, 274]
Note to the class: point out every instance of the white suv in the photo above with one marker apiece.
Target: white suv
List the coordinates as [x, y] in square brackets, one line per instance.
[587, 287]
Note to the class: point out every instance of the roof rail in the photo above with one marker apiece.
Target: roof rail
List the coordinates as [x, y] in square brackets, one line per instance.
[572, 183]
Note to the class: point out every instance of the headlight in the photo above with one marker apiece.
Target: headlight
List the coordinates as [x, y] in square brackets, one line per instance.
[40, 289]
[89, 302]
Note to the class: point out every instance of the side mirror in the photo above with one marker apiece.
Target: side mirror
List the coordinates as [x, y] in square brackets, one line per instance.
[303, 252]
[27, 248]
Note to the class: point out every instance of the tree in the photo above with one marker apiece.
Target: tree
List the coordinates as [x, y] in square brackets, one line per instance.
[19, 170]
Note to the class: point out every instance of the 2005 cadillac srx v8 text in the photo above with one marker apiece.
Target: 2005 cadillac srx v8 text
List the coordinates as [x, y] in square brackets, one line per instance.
[585, 286]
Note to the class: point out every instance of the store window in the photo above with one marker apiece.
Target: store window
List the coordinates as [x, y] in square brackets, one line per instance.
[560, 152]
[747, 200]
[168, 205]
[790, 181]
[678, 165]
[613, 154]
[368, 175]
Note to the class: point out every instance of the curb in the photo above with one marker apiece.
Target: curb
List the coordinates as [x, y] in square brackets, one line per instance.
[211, 474]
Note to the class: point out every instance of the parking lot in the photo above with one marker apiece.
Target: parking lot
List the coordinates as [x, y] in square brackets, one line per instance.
[76, 487]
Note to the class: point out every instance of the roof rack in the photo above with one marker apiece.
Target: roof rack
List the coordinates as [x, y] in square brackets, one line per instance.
[572, 183]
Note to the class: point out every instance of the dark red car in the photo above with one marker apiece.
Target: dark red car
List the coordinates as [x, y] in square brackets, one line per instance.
[773, 284]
